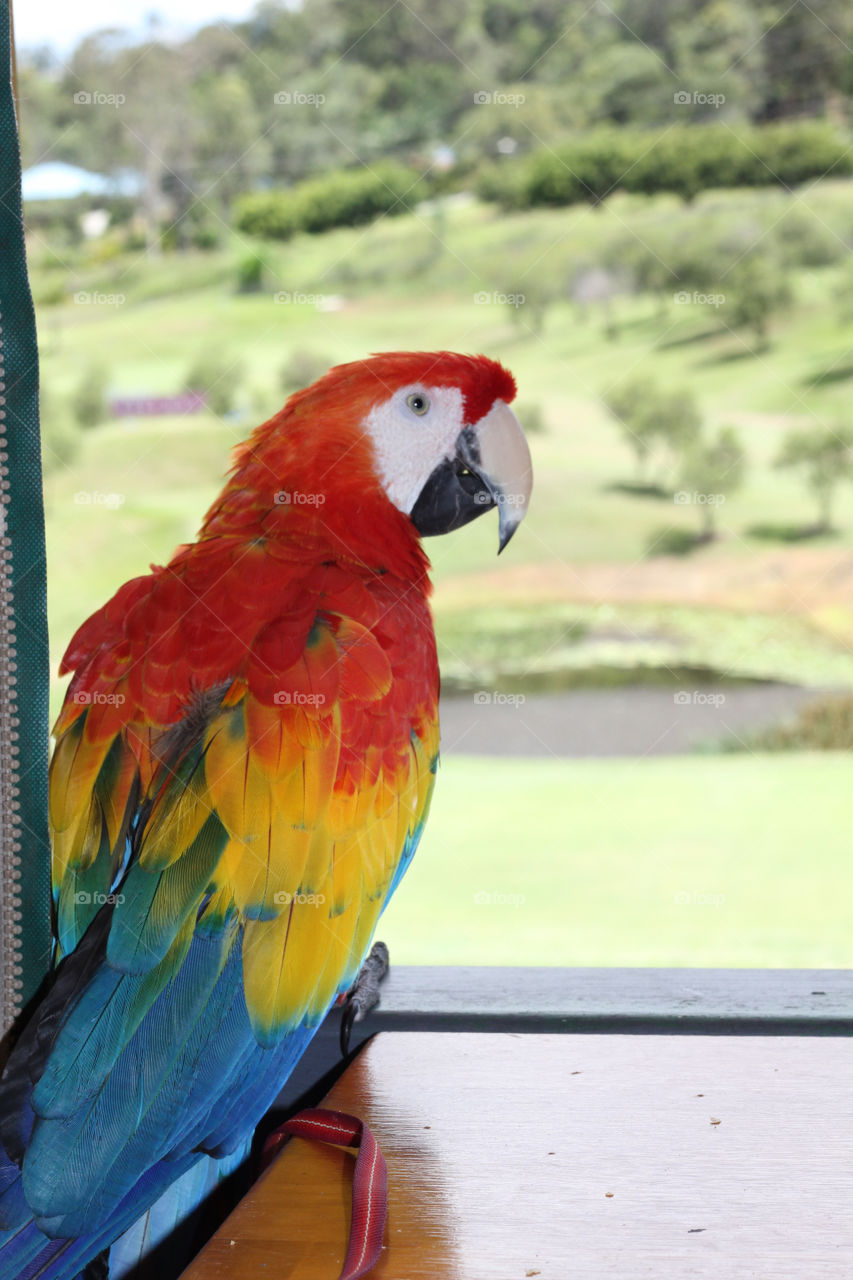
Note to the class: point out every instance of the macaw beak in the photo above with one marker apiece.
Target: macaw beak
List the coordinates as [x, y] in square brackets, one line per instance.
[491, 467]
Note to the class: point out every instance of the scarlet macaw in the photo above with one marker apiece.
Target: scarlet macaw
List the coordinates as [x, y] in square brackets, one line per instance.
[243, 767]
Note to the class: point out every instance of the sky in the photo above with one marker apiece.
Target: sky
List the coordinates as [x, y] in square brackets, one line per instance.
[60, 24]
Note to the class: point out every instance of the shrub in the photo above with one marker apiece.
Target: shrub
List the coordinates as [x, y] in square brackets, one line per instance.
[351, 198]
[672, 541]
[89, 400]
[216, 375]
[785, 531]
[502, 183]
[206, 236]
[796, 151]
[301, 368]
[805, 242]
[269, 215]
[59, 438]
[823, 725]
[531, 417]
[685, 160]
[345, 199]
[250, 274]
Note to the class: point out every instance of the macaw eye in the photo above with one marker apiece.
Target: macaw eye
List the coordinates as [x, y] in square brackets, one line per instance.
[418, 403]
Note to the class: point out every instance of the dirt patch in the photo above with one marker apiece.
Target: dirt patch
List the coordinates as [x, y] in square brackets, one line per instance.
[803, 580]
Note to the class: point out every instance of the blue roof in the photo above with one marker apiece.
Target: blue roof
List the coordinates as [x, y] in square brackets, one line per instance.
[55, 180]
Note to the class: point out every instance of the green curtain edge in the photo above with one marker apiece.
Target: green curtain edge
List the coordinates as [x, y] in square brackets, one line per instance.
[25, 528]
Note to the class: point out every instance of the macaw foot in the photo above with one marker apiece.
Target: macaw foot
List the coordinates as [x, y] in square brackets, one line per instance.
[364, 996]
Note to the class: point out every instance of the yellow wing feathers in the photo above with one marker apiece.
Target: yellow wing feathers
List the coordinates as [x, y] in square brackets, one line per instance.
[309, 861]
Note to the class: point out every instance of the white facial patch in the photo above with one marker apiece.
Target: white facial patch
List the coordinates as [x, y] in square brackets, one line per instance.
[409, 446]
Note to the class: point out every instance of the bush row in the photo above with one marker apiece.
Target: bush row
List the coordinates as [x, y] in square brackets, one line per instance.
[345, 199]
[685, 160]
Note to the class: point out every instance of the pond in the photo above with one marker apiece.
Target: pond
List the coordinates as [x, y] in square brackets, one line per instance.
[633, 720]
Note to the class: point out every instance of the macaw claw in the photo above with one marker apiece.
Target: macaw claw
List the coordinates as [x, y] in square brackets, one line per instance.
[364, 996]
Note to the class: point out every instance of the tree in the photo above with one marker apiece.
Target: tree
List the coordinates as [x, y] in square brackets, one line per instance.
[712, 470]
[625, 402]
[529, 301]
[755, 289]
[676, 422]
[824, 455]
[654, 417]
[154, 78]
[228, 147]
[805, 61]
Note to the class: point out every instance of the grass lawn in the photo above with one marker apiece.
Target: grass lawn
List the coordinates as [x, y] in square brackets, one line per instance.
[705, 861]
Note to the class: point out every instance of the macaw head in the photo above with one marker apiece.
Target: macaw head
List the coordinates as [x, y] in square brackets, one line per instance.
[442, 441]
[447, 445]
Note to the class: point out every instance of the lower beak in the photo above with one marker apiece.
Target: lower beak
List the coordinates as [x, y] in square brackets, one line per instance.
[491, 467]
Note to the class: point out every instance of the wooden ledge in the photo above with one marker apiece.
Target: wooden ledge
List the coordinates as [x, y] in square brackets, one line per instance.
[581, 1156]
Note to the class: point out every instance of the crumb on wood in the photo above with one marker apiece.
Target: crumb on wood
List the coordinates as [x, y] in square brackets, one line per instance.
[715, 1121]
[533, 1273]
[608, 1195]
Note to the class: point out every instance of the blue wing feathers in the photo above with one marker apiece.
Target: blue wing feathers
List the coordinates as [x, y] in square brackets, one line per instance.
[152, 906]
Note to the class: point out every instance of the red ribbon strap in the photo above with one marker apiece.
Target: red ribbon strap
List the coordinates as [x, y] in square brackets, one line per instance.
[369, 1184]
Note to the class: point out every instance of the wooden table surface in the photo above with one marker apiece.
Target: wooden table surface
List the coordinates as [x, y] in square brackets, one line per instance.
[573, 1158]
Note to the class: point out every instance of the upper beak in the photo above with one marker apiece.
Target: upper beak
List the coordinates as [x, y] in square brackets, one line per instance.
[491, 467]
[496, 450]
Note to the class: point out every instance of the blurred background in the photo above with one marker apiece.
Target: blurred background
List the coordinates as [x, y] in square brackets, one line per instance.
[646, 211]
